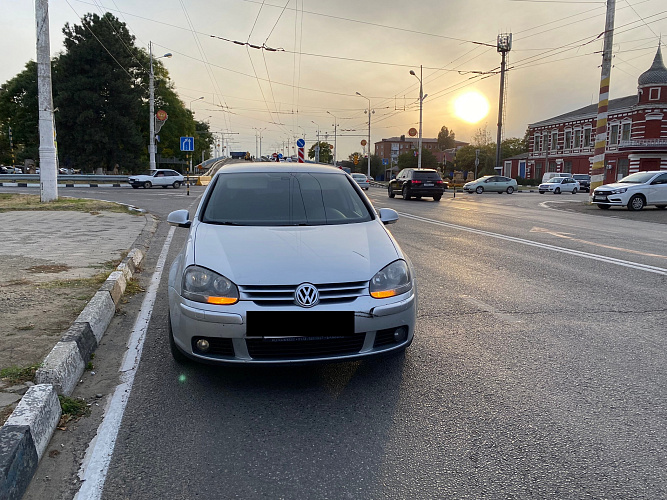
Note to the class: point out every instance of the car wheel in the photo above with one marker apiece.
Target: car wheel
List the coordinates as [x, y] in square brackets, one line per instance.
[604, 207]
[542, 192]
[437, 198]
[147, 185]
[574, 191]
[557, 191]
[637, 202]
[510, 190]
[176, 185]
[479, 190]
[661, 207]
[390, 192]
[176, 352]
[406, 193]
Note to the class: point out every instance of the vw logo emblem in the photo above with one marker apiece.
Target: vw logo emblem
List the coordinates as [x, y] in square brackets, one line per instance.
[306, 295]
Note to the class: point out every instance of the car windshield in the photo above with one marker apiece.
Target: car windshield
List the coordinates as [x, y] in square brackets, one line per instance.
[149, 173]
[556, 180]
[359, 177]
[638, 178]
[427, 176]
[284, 199]
[581, 177]
[483, 178]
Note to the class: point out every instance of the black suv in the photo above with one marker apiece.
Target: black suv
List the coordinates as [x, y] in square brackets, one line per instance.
[417, 182]
[584, 181]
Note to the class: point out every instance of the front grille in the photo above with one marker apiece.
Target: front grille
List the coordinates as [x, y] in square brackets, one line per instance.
[217, 346]
[330, 293]
[304, 347]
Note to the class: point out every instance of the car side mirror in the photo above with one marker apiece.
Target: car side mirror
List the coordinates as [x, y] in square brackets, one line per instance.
[179, 218]
[388, 215]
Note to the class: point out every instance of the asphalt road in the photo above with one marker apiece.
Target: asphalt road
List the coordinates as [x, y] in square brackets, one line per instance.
[538, 370]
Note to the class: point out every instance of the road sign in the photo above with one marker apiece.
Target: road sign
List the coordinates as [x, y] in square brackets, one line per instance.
[363, 142]
[385, 161]
[301, 143]
[161, 115]
[187, 143]
[412, 132]
[280, 155]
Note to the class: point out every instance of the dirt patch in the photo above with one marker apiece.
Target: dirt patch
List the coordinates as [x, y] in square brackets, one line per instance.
[49, 269]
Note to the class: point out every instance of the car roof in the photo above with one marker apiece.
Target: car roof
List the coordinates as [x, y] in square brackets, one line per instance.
[270, 167]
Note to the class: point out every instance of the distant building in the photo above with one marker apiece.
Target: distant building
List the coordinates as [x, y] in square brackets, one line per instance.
[390, 149]
[636, 134]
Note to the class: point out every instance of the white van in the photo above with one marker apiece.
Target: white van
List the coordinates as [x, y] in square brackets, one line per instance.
[549, 175]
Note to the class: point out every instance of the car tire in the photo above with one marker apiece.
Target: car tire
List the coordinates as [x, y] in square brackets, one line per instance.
[479, 190]
[406, 193]
[176, 185]
[557, 191]
[574, 191]
[390, 192]
[147, 185]
[604, 207]
[176, 352]
[636, 203]
[510, 190]
[661, 207]
[437, 198]
[542, 192]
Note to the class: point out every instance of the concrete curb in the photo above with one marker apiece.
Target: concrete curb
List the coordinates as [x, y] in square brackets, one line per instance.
[26, 434]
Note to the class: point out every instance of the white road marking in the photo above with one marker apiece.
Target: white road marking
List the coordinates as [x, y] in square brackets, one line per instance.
[93, 471]
[609, 260]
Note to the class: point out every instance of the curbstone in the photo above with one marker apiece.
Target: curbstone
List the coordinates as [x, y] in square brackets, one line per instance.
[83, 335]
[18, 460]
[137, 257]
[42, 421]
[115, 284]
[62, 367]
[98, 313]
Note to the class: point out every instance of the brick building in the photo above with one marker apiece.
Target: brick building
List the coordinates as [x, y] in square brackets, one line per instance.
[636, 134]
[390, 149]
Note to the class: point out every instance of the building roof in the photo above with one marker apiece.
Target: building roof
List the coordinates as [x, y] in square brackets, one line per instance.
[591, 110]
[656, 74]
[520, 156]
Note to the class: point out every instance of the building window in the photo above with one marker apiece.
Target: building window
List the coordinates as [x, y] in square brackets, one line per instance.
[654, 94]
[538, 170]
[613, 136]
[568, 139]
[625, 132]
[587, 138]
[623, 166]
[554, 140]
[567, 167]
[577, 139]
[545, 141]
[536, 145]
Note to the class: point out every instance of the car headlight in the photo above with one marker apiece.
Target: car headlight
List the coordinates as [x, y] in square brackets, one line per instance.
[203, 285]
[390, 281]
[619, 191]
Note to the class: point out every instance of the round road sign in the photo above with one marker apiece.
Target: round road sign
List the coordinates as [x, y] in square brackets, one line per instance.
[161, 115]
[363, 142]
[301, 143]
[412, 132]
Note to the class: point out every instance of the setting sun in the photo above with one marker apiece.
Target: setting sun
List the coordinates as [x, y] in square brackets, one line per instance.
[471, 107]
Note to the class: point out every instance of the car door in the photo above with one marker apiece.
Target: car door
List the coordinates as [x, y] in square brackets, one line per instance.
[159, 178]
[492, 184]
[657, 193]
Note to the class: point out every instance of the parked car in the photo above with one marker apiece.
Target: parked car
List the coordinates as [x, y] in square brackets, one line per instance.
[549, 175]
[584, 181]
[362, 180]
[417, 182]
[3, 170]
[634, 191]
[158, 177]
[497, 183]
[558, 185]
[288, 264]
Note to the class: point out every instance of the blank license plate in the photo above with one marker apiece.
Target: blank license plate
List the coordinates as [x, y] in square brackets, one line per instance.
[599, 198]
[428, 184]
[299, 323]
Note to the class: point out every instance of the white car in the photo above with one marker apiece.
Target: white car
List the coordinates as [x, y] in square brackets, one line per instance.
[634, 191]
[362, 180]
[288, 264]
[558, 185]
[159, 177]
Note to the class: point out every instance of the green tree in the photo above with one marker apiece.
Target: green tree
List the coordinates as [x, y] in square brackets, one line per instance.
[18, 110]
[446, 139]
[512, 147]
[99, 97]
[465, 159]
[410, 160]
[326, 155]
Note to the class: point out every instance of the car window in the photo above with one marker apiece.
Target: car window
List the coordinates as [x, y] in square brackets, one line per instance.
[637, 178]
[427, 176]
[661, 179]
[284, 199]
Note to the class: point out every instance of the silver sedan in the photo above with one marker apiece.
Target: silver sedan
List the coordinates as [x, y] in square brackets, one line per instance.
[288, 264]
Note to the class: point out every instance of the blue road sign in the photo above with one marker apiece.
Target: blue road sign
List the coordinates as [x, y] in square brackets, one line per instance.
[300, 143]
[280, 155]
[187, 143]
[385, 161]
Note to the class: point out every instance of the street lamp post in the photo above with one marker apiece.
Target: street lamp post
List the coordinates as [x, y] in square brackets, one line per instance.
[151, 107]
[317, 147]
[193, 100]
[369, 132]
[335, 124]
[421, 100]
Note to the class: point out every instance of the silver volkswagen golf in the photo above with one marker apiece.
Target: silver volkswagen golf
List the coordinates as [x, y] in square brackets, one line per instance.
[288, 263]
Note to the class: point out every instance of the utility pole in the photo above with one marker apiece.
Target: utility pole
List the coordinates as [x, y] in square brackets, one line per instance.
[48, 175]
[335, 125]
[598, 171]
[504, 45]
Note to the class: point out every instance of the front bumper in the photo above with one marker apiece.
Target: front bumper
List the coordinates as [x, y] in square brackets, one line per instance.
[375, 322]
[614, 200]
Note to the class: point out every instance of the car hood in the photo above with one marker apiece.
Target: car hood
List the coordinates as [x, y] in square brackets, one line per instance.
[619, 185]
[250, 255]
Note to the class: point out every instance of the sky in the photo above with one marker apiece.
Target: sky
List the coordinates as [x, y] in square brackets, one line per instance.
[327, 52]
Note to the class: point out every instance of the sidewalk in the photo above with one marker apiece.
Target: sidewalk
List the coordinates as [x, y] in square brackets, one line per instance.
[54, 265]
